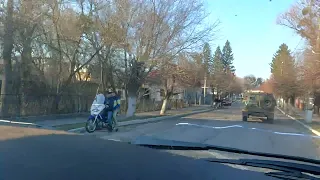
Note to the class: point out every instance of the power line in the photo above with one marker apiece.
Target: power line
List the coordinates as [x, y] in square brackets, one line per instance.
[297, 45]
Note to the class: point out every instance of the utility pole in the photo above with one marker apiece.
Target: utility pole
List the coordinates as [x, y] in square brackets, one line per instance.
[204, 89]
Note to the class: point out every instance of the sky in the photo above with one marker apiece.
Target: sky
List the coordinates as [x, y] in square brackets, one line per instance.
[251, 28]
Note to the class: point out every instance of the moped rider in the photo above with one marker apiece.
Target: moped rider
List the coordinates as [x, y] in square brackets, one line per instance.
[112, 103]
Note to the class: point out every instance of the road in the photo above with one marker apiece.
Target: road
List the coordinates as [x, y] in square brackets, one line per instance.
[75, 156]
[225, 127]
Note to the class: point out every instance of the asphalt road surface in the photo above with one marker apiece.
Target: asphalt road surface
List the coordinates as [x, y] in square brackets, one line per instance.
[46, 154]
[224, 127]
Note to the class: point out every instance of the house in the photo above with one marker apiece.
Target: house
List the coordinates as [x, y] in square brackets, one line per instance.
[187, 94]
[152, 90]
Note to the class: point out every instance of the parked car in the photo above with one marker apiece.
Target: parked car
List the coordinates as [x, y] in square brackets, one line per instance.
[226, 102]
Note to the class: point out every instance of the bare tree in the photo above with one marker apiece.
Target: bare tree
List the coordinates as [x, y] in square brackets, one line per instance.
[175, 77]
[157, 31]
[251, 82]
[6, 86]
[120, 42]
[235, 86]
[303, 18]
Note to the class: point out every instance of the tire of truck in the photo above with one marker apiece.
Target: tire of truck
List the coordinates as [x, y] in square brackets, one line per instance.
[245, 118]
[267, 102]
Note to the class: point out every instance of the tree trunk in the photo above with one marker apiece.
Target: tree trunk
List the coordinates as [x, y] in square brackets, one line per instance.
[55, 104]
[195, 99]
[6, 86]
[132, 98]
[25, 73]
[132, 101]
[126, 98]
[164, 105]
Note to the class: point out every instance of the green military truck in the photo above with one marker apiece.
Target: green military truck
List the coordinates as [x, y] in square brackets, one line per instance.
[258, 104]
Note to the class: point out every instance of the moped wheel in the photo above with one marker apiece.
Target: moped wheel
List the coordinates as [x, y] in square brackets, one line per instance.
[111, 125]
[91, 125]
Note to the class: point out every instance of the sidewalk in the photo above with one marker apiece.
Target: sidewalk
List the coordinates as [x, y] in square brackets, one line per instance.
[121, 117]
[299, 116]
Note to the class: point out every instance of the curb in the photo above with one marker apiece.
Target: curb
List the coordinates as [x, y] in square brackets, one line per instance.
[304, 125]
[144, 121]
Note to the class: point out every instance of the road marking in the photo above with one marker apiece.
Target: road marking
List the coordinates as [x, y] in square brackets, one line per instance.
[304, 125]
[240, 126]
[114, 140]
[214, 127]
[15, 122]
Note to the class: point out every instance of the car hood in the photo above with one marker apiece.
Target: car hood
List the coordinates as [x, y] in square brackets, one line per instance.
[193, 154]
[204, 154]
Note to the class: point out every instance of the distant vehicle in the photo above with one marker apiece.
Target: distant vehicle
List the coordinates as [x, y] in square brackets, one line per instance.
[226, 102]
[259, 104]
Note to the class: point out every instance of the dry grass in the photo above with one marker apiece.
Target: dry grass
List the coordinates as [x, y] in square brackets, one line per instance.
[13, 132]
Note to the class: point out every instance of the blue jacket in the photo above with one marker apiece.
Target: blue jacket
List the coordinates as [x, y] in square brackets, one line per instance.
[113, 103]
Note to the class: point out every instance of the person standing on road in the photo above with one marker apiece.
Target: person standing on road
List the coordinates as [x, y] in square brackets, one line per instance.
[113, 107]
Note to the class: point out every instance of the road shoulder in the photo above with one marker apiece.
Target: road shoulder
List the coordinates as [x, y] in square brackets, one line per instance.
[300, 122]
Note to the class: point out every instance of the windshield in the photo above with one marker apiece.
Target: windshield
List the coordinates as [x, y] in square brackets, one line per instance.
[241, 75]
[99, 99]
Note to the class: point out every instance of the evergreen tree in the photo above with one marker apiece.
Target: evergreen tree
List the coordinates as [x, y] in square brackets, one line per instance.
[283, 63]
[218, 78]
[284, 72]
[217, 66]
[207, 59]
[227, 57]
